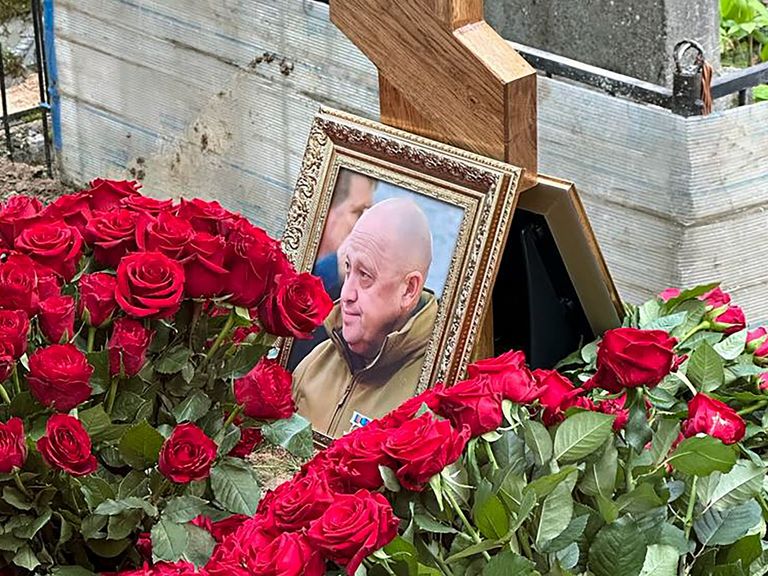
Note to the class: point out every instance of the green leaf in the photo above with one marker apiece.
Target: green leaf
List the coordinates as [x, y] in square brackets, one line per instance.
[667, 431]
[243, 361]
[294, 434]
[689, 294]
[123, 524]
[732, 347]
[618, 548]
[389, 478]
[404, 554]
[71, 571]
[568, 536]
[723, 527]
[556, 512]
[648, 312]
[581, 434]
[743, 482]
[173, 360]
[507, 563]
[112, 507]
[100, 379]
[235, 487]
[674, 537]
[637, 431]
[26, 558]
[539, 441]
[135, 483]
[128, 406]
[28, 530]
[200, 545]
[169, 541]
[666, 323]
[660, 561]
[99, 426]
[140, 445]
[546, 484]
[185, 509]
[24, 405]
[600, 475]
[642, 499]
[15, 498]
[483, 546]
[193, 408]
[491, 518]
[95, 490]
[702, 455]
[705, 368]
[746, 550]
[429, 524]
[109, 548]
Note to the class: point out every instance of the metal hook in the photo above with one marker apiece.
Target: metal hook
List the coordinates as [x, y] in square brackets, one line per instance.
[679, 51]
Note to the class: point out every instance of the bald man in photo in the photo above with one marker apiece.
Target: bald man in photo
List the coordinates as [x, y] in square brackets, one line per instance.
[380, 327]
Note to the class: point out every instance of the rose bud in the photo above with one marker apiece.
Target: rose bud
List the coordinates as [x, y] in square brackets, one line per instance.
[667, 294]
[14, 331]
[762, 381]
[353, 527]
[557, 394]
[757, 342]
[113, 235]
[295, 306]
[106, 194]
[717, 419]
[290, 554]
[265, 393]
[59, 377]
[13, 445]
[55, 245]
[19, 285]
[144, 545]
[149, 285]
[204, 257]
[97, 298]
[57, 318]
[16, 214]
[716, 298]
[472, 403]
[187, 455]
[728, 320]
[422, 447]
[127, 347]
[630, 358]
[67, 446]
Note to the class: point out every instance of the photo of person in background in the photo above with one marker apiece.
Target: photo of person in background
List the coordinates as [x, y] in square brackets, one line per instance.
[381, 326]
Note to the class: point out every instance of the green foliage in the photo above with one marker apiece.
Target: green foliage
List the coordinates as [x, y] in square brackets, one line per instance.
[743, 32]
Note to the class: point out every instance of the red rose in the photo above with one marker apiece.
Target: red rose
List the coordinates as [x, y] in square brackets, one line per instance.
[14, 330]
[57, 318]
[59, 377]
[757, 342]
[615, 407]
[55, 245]
[7, 361]
[146, 205]
[422, 447]
[296, 305]
[667, 294]
[290, 554]
[204, 257]
[97, 298]
[353, 527]
[762, 381]
[18, 284]
[716, 298]
[113, 235]
[67, 446]
[296, 503]
[729, 320]
[204, 216]
[557, 394]
[241, 333]
[144, 545]
[630, 358]
[164, 233]
[472, 403]
[717, 419]
[356, 457]
[249, 439]
[265, 392]
[128, 347]
[230, 557]
[223, 528]
[16, 214]
[407, 410]
[13, 445]
[187, 455]
[107, 194]
[73, 209]
[509, 375]
[48, 282]
[252, 260]
[149, 285]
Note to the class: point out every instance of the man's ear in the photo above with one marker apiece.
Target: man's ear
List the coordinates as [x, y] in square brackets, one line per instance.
[414, 282]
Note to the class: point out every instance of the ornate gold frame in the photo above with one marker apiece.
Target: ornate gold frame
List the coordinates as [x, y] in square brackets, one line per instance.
[486, 189]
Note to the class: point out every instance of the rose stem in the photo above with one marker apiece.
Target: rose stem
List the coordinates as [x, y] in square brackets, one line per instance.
[689, 512]
[4, 394]
[91, 337]
[472, 531]
[111, 395]
[754, 407]
[20, 484]
[491, 457]
[232, 415]
[220, 337]
[699, 326]
[16, 383]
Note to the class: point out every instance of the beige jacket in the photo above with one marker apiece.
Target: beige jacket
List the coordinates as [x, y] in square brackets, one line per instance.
[329, 385]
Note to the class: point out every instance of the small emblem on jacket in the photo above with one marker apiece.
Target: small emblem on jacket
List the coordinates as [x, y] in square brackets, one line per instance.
[358, 420]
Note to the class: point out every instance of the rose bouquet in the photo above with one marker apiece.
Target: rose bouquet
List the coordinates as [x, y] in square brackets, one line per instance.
[133, 376]
[642, 454]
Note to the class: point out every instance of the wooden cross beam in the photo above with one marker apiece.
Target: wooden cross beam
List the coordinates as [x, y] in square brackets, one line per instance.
[444, 73]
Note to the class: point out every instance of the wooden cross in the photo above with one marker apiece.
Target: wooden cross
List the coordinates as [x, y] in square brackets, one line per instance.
[444, 73]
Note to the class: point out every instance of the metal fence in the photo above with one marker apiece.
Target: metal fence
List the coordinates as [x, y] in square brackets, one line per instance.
[40, 112]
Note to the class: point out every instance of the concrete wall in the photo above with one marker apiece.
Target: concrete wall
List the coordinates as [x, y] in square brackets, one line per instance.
[176, 93]
[632, 37]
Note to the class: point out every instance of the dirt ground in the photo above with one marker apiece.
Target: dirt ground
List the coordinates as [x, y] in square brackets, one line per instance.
[19, 178]
[25, 95]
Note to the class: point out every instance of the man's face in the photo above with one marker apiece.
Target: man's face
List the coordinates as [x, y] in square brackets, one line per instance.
[343, 216]
[371, 296]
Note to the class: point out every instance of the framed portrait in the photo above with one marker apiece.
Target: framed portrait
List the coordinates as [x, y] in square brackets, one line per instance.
[406, 235]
